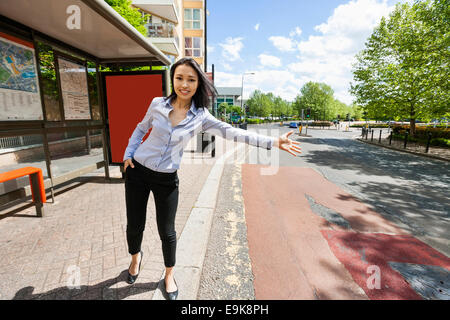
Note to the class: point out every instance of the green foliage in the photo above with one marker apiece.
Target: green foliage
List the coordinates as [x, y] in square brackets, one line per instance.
[440, 142]
[265, 104]
[320, 94]
[259, 104]
[223, 108]
[423, 131]
[129, 13]
[372, 125]
[254, 121]
[404, 69]
[236, 109]
[320, 124]
[316, 96]
[437, 142]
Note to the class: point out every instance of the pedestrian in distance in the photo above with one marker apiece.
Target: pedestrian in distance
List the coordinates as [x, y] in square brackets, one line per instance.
[152, 166]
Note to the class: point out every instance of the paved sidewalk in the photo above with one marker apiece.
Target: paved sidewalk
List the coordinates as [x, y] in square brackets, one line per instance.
[82, 240]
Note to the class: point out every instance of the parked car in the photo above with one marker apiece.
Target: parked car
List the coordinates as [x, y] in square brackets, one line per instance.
[293, 125]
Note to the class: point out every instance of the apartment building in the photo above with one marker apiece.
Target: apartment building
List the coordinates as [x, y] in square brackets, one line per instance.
[176, 27]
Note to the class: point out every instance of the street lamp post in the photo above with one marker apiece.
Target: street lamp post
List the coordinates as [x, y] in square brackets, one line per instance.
[242, 92]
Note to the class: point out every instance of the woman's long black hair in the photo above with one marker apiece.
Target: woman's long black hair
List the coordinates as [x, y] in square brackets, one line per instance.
[205, 87]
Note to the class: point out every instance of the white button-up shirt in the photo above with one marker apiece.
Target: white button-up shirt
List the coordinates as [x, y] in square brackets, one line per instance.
[163, 149]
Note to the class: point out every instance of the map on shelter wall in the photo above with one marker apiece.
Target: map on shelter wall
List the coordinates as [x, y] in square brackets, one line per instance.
[74, 90]
[19, 87]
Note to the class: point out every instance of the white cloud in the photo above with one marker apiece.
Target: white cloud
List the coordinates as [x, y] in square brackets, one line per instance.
[296, 32]
[354, 18]
[231, 48]
[257, 27]
[282, 43]
[325, 56]
[210, 49]
[227, 67]
[328, 56]
[267, 60]
[347, 29]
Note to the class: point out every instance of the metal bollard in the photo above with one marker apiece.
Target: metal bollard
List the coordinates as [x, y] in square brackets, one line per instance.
[379, 139]
[390, 138]
[406, 139]
[371, 138]
[428, 142]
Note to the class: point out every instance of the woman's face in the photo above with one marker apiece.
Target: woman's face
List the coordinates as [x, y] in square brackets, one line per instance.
[185, 82]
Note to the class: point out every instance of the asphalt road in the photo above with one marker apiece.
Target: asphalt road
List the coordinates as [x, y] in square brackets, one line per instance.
[408, 190]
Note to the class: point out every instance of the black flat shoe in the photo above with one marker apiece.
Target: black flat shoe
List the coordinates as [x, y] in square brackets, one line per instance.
[132, 279]
[172, 295]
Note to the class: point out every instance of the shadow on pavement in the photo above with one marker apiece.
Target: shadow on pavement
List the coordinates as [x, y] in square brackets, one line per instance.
[25, 202]
[423, 210]
[363, 158]
[420, 205]
[100, 291]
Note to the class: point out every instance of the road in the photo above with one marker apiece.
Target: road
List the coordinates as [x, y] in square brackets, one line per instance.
[398, 197]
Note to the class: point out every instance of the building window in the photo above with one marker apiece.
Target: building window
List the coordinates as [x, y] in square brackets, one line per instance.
[192, 19]
[192, 47]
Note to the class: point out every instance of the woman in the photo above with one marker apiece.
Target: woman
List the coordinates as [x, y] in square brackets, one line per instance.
[152, 165]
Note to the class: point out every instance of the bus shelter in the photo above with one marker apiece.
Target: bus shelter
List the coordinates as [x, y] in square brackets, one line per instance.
[68, 100]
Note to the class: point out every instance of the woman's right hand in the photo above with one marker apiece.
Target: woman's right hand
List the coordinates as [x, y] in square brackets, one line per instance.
[126, 163]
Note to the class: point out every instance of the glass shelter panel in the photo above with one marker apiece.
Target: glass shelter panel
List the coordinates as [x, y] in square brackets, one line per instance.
[93, 92]
[74, 150]
[19, 152]
[49, 83]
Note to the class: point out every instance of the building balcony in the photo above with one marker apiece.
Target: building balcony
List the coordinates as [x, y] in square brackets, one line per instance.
[166, 45]
[166, 9]
[164, 36]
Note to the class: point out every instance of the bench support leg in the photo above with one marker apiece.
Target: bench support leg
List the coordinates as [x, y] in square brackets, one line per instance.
[35, 189]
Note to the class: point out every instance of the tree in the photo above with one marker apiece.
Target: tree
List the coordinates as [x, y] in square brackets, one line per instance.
[132, 15]
[404, 69]
[224, 108]
[236, 109]
[357, 111]
[317, 97]
[259, 104]
[337, 107]
[264, 104]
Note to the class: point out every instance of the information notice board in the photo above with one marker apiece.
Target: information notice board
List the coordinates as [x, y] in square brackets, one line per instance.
[74, 90]
[19, 86]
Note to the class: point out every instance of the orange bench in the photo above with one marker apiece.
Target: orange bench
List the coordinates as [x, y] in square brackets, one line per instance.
[36, 183]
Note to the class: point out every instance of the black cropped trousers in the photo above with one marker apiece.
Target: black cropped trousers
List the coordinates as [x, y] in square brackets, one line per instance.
[139, 181]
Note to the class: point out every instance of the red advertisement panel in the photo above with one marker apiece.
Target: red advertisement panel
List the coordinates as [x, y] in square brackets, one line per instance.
[128, 98]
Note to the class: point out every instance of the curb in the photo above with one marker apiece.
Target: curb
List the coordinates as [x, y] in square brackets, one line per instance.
[193, 242]
[407, 151]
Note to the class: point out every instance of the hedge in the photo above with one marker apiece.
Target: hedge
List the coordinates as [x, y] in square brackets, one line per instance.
[439, 142]
[372, 125]
[320, 124]
[422, 132]
[254, 121]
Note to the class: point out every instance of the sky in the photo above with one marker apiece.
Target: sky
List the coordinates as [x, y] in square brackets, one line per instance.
[287, 43]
